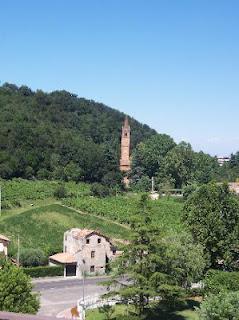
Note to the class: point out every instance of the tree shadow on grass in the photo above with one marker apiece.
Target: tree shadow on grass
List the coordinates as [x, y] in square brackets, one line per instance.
[163, 313]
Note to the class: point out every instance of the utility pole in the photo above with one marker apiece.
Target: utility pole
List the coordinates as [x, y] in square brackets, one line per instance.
[152, 182]
[83, 283]
[18, 250]
[0, 201]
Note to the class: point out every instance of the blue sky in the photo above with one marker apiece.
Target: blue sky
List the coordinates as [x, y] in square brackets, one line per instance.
[172, 64]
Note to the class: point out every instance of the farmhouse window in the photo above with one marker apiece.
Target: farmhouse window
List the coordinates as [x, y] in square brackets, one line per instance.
[87, 241]
[92, 254]
[99, 240]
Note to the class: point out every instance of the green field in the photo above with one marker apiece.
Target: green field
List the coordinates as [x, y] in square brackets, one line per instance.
[165, 212]
[44, 227]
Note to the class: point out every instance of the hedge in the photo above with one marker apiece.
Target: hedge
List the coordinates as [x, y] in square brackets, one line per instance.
[217, 281]
[46, 271]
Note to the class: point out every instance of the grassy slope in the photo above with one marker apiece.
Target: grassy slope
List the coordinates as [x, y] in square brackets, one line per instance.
[44, 227]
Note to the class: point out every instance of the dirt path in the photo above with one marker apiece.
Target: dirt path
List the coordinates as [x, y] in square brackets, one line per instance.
[98, 217]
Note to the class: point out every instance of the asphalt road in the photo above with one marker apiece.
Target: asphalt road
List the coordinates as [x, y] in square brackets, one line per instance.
[57, 295]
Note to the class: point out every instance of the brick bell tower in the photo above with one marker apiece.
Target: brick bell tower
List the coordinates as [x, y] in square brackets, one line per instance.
[125, 164]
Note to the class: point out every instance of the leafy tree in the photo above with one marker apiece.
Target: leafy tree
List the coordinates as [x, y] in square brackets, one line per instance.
[73, 172]
[224, 306]
[179, 164]
[149, 154]
[186, 260]
[16, 291]
[212, 215]
[206, 167]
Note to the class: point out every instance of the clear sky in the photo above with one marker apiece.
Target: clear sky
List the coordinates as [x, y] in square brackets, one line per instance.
[172, 64]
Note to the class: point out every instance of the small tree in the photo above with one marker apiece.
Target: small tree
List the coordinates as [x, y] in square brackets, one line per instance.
[224, 306]
[32, 258]
[98, 190]
[16, 291]
[60, 192]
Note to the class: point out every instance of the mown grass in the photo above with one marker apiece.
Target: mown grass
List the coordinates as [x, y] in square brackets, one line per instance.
[165, 212]
[120, 311]
[44, 227]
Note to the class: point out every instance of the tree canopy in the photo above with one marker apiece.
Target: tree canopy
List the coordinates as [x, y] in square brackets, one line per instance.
[212, 215]
[16, 291]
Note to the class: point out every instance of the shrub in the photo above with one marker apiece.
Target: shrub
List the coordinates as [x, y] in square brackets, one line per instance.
[60, 192]
[32, 258]
[98, 190]
[217, 281]
[225, 305]
[46, 271]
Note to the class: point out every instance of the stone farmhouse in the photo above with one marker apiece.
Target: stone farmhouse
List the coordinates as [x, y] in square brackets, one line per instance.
[4, 242]
[84, 252]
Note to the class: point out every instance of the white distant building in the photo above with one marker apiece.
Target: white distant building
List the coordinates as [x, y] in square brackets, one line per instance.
[222, 160]
[4, 242]
[84, 251]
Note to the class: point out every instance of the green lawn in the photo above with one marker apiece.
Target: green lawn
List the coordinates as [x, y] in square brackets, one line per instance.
[44, 227]
[120, 311]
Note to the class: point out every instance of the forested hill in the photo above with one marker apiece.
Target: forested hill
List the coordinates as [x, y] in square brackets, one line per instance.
[58, 135]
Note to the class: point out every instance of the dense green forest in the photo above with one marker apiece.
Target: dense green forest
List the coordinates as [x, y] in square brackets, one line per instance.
[60, 136]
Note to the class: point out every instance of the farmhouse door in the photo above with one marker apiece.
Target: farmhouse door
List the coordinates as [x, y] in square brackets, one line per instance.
[71, 270]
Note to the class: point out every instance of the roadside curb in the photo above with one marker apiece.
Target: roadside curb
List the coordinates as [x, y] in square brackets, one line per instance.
[55, 279]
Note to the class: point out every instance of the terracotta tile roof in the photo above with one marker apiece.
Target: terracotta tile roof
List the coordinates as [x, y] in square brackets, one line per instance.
[78, 233]
[81, 233]
[2, 237]
[63, 258]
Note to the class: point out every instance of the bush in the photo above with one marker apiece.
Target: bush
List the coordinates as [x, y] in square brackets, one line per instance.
[217, 281]
[222, 306]
[32, 258]
[98, 190]
[60, 192]
[46, 271]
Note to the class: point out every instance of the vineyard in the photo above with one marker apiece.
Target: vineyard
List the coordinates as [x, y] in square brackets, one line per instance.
[18, 191]
[165, 212]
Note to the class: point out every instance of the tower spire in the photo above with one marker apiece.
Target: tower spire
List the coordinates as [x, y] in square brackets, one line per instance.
[125, 164]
